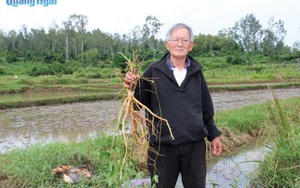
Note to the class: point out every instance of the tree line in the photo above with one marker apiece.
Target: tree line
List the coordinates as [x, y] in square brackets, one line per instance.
[73, 43]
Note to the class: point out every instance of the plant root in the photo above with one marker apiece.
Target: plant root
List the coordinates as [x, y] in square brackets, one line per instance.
[133, 123]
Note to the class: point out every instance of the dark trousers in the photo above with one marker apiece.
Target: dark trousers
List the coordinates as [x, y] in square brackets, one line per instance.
[167, 161]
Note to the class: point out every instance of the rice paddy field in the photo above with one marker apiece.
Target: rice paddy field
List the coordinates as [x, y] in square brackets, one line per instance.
[82, 116]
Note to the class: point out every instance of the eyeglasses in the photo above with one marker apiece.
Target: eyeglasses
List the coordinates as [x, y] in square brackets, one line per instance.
[177, 40]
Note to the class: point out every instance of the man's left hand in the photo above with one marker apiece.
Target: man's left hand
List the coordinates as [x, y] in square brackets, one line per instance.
[217, 146]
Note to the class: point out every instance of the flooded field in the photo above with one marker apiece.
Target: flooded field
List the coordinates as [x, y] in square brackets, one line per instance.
[23, 127]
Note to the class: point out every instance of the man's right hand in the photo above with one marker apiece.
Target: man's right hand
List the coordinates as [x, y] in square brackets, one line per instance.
[130, 79]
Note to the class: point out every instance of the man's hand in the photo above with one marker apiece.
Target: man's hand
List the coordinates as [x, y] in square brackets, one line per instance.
[130, 79]
[217, 146]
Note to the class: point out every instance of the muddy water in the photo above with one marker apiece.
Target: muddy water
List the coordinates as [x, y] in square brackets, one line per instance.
[75, 122]
[237, 169]
[71, 122]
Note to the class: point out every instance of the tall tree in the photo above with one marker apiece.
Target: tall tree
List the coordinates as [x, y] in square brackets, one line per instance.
[3, 45]
[38, 39]
[68, 29]
[247, 33]
[12, 35]
[135, 37]
[80, 22]
[150, 31]
[296, 46]
[76, 24]
[52, 32]
[272, 44]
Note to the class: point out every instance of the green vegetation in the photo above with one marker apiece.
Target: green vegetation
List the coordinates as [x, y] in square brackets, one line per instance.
[58, 51]
[19, 89]
[256, 73]
[281, 167]
[102, 156]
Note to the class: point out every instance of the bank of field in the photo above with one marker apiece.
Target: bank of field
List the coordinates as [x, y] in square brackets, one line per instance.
[18, 88]
[275, 121]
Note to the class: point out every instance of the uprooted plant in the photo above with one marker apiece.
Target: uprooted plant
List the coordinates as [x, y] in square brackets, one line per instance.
[132, 118]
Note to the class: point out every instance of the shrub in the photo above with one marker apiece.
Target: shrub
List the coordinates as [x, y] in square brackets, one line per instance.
[2, 70]
[39, 71]
[52, 69]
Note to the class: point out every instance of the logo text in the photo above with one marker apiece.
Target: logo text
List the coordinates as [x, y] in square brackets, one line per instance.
[31, 3]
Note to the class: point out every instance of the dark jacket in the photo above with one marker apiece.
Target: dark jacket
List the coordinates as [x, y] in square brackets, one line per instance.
[188, 108]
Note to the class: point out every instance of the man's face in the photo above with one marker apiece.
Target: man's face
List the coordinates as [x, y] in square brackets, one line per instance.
[180, 43]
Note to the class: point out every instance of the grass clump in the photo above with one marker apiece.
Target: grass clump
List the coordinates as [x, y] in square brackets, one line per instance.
[243, 120]
[102, 156]
[241, 126]
[281, 167]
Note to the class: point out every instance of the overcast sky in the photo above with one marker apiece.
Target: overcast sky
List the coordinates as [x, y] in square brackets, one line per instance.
[120, 16]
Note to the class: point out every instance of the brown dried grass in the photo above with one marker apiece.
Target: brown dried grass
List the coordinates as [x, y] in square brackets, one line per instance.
[132, 118]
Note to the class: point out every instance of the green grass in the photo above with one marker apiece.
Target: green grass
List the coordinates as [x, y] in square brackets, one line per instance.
[243, 120]
[95, 83]
[62, 98]
[259, 73]
[9, 84]
[102, 156]
[281, 167]
[44, 90]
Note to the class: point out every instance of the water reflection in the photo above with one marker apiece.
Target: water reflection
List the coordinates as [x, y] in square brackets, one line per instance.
[26, 139]
[236, 170]
[23, 127]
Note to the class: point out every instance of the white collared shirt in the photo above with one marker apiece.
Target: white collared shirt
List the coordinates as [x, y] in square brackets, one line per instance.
[179, 74]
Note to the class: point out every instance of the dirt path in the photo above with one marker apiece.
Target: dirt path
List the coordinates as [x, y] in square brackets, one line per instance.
[78, 121]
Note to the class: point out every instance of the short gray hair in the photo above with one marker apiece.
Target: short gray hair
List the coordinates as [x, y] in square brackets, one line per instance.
[180, 25]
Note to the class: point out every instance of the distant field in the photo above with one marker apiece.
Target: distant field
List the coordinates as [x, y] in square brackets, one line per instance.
[20, 89]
